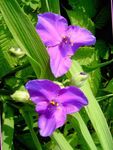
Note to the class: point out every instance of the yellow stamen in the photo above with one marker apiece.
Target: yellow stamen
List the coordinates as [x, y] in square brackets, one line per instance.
[54, 103]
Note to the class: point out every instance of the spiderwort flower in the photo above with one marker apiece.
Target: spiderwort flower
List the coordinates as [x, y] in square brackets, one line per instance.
[53, 103]
[61, 40]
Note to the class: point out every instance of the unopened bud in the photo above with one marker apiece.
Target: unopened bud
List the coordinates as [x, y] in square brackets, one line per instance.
[21, 96]
[17, 52]
[79, 79]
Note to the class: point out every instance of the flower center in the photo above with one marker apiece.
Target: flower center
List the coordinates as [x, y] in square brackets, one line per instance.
[66, 41]
[52, 102]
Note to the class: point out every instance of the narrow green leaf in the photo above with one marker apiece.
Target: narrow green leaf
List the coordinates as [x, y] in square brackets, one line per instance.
[7, 128]
[54, 7]
[109, 87]
[29, 121]
[100, 65]
[25, 35]
[80, 126]
[94, 111]
[61, 141]
[45, 6]
[101, 98]
[50, 6]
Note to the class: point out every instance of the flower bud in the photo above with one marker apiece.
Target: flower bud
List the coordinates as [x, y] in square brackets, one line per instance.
[17, 52]
[79, 79]
[21, 96]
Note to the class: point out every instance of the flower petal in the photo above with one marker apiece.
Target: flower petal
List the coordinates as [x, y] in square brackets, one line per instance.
[72, 98]
[80, 36]
[59, 61]
[53, 118]
[59, 116]
[47, 125]
[41, 107]
[42, 90]
[50, 27]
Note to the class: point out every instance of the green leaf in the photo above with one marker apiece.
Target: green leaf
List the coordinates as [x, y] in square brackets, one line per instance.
[7, 128]
[102, 49]
[61, 141]
[93, 110]
[89, 6]
[79, 125]
[102, 18]
[7, 61]
[25, 35]
[78, 17]
[49, 6]
[29, 121]
[87, 57]
[109, 87]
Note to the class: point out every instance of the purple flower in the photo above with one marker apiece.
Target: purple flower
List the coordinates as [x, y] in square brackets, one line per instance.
[61, 40]
[53, 103]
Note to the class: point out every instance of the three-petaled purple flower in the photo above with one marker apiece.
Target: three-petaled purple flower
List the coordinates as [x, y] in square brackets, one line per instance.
[53, 103]
[61, 40]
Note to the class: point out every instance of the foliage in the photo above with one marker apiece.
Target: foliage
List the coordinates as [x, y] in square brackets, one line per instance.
[19, 120]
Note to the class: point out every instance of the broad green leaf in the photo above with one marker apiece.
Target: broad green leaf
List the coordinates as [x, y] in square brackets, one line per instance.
[29, 121]
[78, 17]
[89, 6]
[25, 35]
[7, 128]
[87, 57]
[94, 111]
[61, 141]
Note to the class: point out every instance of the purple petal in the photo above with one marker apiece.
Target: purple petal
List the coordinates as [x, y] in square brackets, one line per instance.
[59, 61]
[50, 27]
[51, 120]
[47, 125]
[41, 107]
[72, 98]
[42, 90]
[59, 116]
[80, 36]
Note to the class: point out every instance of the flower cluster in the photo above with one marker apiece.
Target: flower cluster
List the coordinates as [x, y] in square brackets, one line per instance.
[54, 103]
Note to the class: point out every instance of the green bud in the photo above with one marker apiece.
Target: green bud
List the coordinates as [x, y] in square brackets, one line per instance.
[79, 79]
[17, 52]
[21, 96]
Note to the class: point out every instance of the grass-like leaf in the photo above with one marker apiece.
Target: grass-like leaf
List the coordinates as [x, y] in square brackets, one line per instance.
[61, 141]
[29, 121]
[7, 128]
[79, 125]
[94, 111]
[25, 35]
[50, 6]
